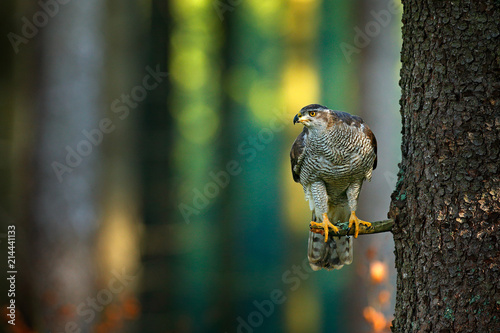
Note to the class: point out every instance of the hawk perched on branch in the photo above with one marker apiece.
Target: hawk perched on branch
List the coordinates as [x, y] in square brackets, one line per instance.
[331, 158]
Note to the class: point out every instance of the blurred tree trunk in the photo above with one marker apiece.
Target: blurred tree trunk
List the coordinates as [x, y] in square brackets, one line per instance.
[157, 176]
[11, 167]
[251, 78]
[226, 281]
[177, 152]
[446, 203]
[378, 98]
[65, 173]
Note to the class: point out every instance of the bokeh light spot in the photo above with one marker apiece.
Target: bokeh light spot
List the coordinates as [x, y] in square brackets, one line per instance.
[189, 68]
[198, 124]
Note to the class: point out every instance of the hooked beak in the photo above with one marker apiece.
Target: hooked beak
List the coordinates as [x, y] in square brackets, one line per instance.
[296, 118]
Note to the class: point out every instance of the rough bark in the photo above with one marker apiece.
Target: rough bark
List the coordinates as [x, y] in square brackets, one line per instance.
[446, 202]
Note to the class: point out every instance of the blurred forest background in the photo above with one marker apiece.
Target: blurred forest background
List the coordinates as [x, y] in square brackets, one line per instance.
[144, 149]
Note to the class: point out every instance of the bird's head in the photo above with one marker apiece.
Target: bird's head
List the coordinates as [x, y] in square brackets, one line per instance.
[314, 117]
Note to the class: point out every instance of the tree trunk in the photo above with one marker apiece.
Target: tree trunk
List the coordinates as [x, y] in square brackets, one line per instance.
[446, 203]
[64, 209]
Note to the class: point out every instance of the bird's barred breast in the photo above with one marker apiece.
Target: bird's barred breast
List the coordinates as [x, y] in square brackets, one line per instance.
[319, 167]
[332, 164]
[338, 164]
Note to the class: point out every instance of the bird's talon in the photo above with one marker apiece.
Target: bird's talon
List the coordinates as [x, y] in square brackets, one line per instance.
[353, 219]
[325, 225]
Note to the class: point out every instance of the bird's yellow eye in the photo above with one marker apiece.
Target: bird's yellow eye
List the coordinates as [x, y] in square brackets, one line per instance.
[312, 114]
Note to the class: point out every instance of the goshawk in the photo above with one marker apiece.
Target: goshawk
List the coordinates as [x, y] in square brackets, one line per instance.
[331, 158]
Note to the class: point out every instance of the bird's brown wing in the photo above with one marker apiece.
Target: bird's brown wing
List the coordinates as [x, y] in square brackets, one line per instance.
[296, 154]
[368, 132]
[350, 119]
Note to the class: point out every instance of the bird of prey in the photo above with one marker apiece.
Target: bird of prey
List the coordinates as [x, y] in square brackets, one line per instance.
[331, 158]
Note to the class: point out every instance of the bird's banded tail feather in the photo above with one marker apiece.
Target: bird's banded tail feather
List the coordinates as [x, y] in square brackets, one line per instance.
[333, 254]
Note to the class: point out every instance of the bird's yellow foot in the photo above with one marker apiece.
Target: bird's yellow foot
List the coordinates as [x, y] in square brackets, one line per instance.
[325, 225]
[353, 219]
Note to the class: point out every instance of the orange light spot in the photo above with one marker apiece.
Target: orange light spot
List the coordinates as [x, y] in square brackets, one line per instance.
[375, 318]
[378, 271]
[113, 313]
[370, 253]
[67, 310]
[131, 308]
[103, 328]
[384, 296]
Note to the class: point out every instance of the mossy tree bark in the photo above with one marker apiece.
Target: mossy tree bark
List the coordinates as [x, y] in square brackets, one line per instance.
[446, 203]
